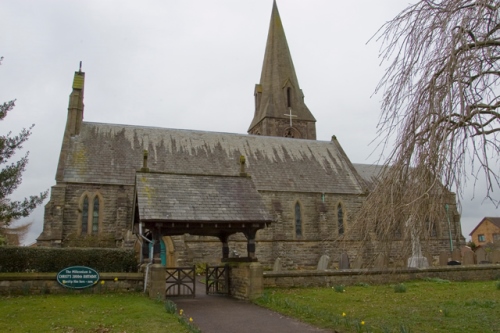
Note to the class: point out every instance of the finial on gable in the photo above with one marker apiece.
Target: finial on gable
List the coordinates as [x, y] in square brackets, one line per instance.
[242, 166]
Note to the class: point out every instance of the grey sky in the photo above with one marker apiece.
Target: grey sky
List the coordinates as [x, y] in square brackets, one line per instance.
[189, 64]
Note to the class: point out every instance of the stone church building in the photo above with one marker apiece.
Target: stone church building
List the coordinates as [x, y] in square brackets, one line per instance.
[275, 192]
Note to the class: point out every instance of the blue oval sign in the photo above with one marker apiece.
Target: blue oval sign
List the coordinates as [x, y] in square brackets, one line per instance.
[77, 277]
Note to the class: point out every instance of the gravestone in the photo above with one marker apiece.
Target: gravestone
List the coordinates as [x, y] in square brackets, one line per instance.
[277, 267]
[416, 260]
[456, 254]
[358, 263]
[344, 261]
[468, 256]
[323, 262]
[381, 262]
[443, 258]
[495, 256]
[481, 256]
[430, 259]
[464, 249]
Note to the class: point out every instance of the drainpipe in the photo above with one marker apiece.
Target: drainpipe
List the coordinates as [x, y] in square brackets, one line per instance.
[447, 207]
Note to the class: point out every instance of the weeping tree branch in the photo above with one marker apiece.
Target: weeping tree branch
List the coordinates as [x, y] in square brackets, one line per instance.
[441, 100]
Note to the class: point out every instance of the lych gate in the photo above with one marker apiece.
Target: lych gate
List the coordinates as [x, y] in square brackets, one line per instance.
[176, 204]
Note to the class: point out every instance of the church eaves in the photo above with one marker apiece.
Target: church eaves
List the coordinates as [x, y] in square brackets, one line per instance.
[278, 91]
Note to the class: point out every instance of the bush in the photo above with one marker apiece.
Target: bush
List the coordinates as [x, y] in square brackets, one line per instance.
[400, 288]
[339, 289]
[14, 259]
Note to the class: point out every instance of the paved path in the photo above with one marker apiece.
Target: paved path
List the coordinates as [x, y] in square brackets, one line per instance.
[223, 314]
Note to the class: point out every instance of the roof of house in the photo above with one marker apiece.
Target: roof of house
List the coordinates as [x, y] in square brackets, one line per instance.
[494, 220]
[111, 154]
[196, 198]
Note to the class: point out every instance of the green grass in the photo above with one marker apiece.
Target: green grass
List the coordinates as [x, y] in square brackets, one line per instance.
[106, 313]
[425, 306]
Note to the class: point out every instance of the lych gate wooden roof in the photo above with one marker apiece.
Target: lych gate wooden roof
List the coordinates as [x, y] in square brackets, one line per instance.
[198, 204]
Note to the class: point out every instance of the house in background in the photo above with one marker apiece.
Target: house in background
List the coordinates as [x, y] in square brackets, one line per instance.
[487, 231]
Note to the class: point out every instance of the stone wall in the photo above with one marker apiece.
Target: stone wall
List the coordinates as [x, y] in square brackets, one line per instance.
[62, 225]
[319, 230]
[292, 279]
[245, 280]
[319, 234]
[46, 283]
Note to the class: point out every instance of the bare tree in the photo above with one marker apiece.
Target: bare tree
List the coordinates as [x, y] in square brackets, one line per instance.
[440, 109]
[13, 235]
[441, 90]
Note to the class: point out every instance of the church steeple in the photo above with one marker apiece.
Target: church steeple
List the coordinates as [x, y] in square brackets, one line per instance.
[279, 102]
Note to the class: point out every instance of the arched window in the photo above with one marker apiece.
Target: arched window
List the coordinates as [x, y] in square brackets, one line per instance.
[90, 216]
[340, 217]
[95, 216]
[289, 97]
[298, 220]
[85, 215]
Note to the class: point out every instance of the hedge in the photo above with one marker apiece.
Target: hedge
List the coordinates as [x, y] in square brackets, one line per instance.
[14, 259]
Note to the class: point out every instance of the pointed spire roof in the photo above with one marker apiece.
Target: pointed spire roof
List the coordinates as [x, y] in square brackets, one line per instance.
[278, 73]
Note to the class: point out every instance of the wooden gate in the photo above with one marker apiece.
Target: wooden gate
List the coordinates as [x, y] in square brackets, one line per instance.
[217, 280]
[180, 281]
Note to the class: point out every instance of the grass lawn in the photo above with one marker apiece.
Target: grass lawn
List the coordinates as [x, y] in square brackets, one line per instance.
[419, 306]
[105, 313]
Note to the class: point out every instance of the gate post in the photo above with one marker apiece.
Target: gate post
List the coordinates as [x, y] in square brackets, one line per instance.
[157, 281]
[246, 280]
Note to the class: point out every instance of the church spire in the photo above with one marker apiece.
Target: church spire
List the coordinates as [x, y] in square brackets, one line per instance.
[279, 92]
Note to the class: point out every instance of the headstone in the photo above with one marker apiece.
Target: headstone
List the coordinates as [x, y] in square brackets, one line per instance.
[418, 262]
[358, 263]
[430, 259]
[381, 262]
[443, 258]
[464, 249]
[277, 267]
[468, 256]
[344, 261]
[323, 262]
[456, 254]
[481, 256]
[495, 256]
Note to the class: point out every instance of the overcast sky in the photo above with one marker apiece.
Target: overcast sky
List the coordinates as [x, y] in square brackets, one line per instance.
[189, 64]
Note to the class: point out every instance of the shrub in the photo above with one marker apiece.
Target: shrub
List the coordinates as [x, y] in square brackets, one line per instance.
[14, 259]
[170, 307]
[339, 289]
[400, 288]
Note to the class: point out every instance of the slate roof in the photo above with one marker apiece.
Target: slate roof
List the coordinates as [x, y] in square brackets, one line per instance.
[111, 154]
[195, 198]
[369, 172]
